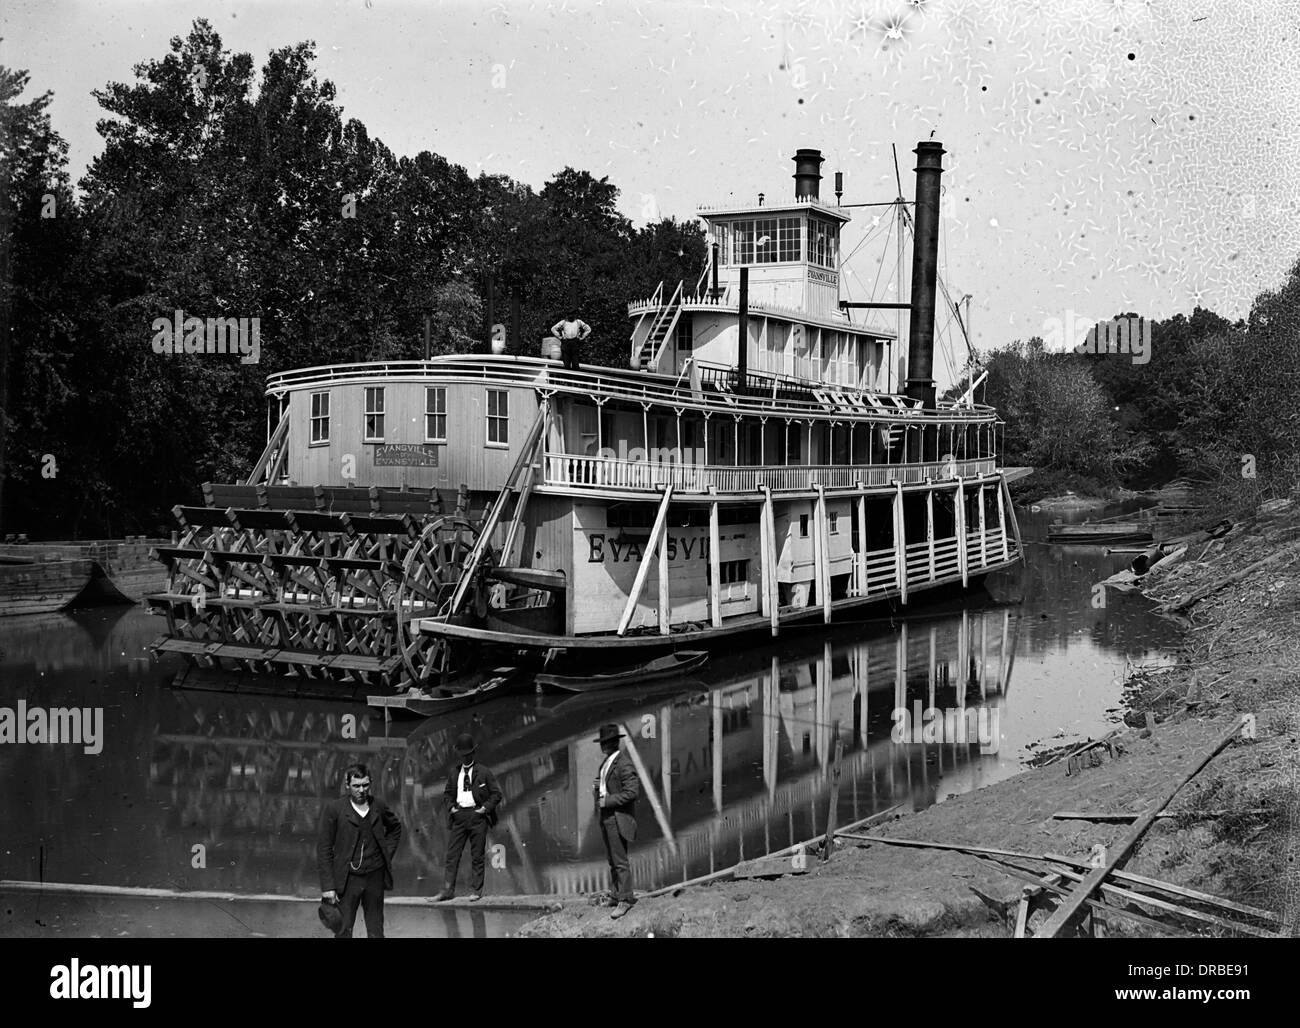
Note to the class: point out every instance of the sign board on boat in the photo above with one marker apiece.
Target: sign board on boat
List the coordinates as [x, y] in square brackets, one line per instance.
[406, 455]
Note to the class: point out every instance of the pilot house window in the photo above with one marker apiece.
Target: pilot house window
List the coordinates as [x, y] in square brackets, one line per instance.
[375, 414]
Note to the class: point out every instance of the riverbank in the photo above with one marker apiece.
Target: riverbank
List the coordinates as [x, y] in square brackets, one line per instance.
[1241, 654]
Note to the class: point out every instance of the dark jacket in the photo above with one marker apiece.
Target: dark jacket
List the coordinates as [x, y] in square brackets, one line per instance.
[483, 787]
[336, 840]
[622, 787]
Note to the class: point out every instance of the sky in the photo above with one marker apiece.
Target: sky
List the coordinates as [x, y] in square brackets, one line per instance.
[1103, 156]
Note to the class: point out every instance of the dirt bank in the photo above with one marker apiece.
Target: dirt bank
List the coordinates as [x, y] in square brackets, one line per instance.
[1241, 655]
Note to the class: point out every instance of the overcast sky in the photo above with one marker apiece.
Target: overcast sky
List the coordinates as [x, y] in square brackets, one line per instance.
[1103, 155]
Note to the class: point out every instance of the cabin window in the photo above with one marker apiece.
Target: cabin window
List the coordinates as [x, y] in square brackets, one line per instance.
[374, 414]
[684, 337]
[803, 526]
[320, 418]
[435, 414]
[724, 244]
[498, 417]
[835, 523]
[730, 572]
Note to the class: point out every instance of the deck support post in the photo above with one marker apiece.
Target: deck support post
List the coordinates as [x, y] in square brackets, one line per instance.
[665, 600]
[643, 572]
[900, 540]
[1002, 524]
[821, 554]
[929, 527]
[715, 567]
[984, 537]
[959, 508]
[770, 559]
[862, 540]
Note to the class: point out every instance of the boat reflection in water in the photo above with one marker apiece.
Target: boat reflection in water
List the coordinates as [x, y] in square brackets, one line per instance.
[735, 762]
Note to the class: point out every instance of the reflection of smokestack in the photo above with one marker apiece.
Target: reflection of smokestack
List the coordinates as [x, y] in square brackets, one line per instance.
[807, 174]
[925, 266]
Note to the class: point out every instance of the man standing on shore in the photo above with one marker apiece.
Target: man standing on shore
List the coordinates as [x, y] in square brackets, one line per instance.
[356, 843]
[472, 797]
[617, 788]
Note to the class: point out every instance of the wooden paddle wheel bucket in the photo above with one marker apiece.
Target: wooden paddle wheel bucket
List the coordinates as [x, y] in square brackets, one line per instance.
[315, 594]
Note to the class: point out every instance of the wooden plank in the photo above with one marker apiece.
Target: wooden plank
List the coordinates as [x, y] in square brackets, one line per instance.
[647, 783]
[862, 542]
[1071, 909]
[959, 508]
[521, 504]
[715, 563]
[900, 542]
[643, 571]
[771, 867]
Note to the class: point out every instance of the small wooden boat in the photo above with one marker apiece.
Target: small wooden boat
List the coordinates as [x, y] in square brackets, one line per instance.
[1115, 532]
[661, 667]
[455, 695]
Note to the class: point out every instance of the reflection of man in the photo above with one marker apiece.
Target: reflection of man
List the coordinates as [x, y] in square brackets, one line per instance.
[570, 331]
[356, 842]
[616, 790]
[472, 797]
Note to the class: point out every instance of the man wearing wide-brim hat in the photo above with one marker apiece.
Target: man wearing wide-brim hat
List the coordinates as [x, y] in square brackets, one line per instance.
[472, 797]
[616, 790]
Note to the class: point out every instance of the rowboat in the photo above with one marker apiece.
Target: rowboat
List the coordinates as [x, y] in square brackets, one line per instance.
[661, 667]
[454, 695]
[1115, 532]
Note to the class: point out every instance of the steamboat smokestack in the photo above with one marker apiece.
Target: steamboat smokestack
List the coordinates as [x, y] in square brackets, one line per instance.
[925, 266]
[807, 174]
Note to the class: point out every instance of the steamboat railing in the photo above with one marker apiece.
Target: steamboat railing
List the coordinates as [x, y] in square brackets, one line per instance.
[586, 472]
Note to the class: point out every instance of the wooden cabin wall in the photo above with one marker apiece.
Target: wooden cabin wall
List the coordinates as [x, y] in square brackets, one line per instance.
[606, 560]
[466, 458]
[795, 550]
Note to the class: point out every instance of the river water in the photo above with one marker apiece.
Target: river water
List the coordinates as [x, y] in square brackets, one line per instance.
[217, 791]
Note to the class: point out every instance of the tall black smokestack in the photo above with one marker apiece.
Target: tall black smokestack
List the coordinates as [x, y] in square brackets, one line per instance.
[742, 335]
[807, 174]
[925, 267]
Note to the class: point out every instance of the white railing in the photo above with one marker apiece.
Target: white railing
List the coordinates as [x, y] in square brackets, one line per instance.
[576, 471]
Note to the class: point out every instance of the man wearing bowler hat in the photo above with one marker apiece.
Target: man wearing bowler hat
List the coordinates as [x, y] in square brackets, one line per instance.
[617, 788]
[472, 798]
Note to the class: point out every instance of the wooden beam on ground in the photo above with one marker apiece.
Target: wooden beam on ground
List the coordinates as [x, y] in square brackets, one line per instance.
[715, 567]
[643, 572]
[1070, 910]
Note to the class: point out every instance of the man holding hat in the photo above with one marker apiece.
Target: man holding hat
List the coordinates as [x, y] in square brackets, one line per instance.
[472, 797]
[356, 841]
[617, 788]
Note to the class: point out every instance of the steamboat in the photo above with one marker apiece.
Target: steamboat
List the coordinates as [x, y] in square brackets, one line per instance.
[751, 471]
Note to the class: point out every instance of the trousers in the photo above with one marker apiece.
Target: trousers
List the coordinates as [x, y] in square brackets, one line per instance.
[620, 867]
[368, 891]
[569, 350]
[465, 824]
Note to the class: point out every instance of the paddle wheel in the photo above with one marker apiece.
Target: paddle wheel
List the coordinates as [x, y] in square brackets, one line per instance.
[332, 596]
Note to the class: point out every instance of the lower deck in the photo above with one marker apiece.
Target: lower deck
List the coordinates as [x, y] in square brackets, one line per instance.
[623, 572]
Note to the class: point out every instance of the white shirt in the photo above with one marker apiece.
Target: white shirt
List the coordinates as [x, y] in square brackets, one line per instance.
[464, 795]
[604, 770]
[361, 811]
[575, 329]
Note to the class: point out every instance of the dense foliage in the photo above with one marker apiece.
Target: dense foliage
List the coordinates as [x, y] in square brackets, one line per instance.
[225, 193]
[222, 192]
